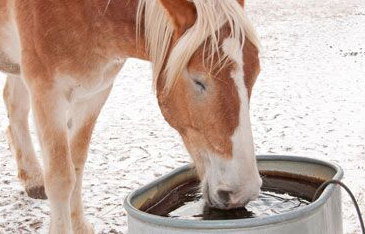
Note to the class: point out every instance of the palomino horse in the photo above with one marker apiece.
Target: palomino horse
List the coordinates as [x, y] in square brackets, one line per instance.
[62, 56]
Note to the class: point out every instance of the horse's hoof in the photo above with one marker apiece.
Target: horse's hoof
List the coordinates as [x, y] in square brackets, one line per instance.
[37, 192]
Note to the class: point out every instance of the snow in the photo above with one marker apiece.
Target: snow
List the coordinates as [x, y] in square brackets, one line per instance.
[309, 100]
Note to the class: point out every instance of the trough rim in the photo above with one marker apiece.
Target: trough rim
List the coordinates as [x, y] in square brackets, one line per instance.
[237, 223]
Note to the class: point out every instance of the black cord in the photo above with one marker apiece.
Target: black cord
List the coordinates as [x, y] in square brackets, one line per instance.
[324, 185]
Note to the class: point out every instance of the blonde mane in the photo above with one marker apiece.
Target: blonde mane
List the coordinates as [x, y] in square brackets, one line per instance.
[211, 16]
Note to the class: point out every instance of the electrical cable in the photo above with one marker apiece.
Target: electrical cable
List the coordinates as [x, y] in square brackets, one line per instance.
[325, 184]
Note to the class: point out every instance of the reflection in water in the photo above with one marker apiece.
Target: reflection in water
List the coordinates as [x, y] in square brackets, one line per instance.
[282, 192]
[268, 203]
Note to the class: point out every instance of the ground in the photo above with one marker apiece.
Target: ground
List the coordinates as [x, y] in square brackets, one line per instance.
[309, 101]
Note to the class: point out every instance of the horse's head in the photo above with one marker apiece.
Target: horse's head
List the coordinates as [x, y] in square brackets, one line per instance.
[204, 89]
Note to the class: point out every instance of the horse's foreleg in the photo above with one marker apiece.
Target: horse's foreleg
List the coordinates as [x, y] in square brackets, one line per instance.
[29, 170]
[50, 104]
[82, 118]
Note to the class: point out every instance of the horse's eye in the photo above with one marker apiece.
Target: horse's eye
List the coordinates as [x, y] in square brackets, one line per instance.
[200, 85]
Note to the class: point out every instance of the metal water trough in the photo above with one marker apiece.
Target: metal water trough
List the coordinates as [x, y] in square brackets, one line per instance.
[324, 216]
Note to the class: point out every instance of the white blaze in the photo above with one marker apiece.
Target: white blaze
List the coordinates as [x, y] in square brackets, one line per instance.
[239, 174]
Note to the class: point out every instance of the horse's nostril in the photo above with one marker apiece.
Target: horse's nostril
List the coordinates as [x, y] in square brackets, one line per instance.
[224, 195]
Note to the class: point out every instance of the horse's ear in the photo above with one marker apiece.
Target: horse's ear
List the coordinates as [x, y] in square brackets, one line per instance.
[241, 2]
[182, 14]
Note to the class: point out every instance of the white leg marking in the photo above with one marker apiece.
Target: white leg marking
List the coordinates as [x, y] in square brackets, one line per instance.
[29, 170]
[83, 116]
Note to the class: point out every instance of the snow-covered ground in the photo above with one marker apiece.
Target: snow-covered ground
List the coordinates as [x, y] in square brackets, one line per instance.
[309, 100]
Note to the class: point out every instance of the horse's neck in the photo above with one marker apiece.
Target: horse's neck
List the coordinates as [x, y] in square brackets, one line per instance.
[121, 17]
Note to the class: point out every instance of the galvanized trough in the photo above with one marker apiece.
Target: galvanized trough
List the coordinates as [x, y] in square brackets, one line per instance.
[323, 216]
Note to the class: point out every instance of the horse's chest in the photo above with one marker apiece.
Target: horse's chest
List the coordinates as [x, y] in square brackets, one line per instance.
[85, 86]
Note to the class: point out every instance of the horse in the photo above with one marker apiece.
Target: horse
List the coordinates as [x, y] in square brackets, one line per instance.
[61, 58]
